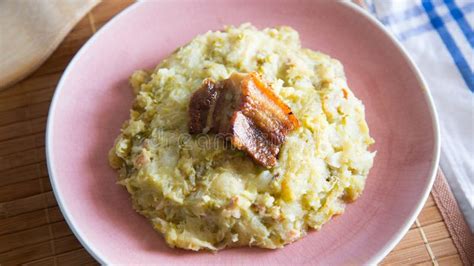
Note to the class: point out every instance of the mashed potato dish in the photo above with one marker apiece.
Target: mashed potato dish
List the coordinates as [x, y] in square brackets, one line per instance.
[201, 193]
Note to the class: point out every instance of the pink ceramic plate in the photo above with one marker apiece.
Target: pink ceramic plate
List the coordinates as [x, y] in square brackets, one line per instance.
[93, 99]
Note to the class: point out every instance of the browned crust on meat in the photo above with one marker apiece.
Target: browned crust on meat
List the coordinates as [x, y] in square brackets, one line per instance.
[269, 112]
[249, 138]
[244, 109]
[201, 106]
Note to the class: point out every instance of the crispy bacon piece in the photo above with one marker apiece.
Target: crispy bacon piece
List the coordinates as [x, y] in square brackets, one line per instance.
[201, 107]
[244, 109]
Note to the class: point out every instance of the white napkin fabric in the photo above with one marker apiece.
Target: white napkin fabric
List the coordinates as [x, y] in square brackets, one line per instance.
[30, 30]
[438, 36]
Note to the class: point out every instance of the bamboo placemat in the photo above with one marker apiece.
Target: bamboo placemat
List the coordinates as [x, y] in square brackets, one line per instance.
[32, 229]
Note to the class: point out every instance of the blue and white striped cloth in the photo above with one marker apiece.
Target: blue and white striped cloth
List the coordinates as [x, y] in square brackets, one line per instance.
[438, 36]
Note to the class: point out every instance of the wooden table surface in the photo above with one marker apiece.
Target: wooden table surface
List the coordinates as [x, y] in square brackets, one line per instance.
[32, 229]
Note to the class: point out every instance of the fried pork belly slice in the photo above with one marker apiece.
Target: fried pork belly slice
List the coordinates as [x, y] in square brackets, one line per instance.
[248, 137]
[201, 107]
[244, 109]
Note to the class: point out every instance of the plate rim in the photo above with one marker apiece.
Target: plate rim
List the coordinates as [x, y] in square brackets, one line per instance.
[375, 259]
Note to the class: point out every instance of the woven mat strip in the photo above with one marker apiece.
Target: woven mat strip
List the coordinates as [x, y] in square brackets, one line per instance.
[454, 219]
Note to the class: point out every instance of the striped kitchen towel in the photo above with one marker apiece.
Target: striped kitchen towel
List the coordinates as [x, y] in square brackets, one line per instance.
[438, 35]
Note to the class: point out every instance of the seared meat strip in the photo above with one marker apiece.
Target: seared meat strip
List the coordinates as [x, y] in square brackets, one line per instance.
[246, 111]
[202, 107]
[249, 138]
